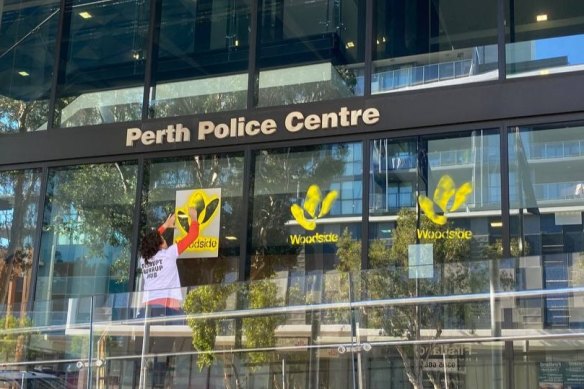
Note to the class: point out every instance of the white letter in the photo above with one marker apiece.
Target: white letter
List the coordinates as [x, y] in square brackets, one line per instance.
[205, 127]
[132, 134]
[371, 116]
[290, 126]
[268, 126]
[183, 134]
[312, 122]
[148, 137]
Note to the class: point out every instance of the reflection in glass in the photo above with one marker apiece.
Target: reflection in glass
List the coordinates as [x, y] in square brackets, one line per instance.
[19, 192]
[547, 200]
[164, 177]
[87, 228]
[310, 51]
[421, 44]
[203, 56]
[544, 37]
[104, 71]
[27, 52]
[303, 200]
[430, 207]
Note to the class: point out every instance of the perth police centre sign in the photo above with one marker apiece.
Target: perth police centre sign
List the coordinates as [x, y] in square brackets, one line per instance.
[447, 197]
[238, 127]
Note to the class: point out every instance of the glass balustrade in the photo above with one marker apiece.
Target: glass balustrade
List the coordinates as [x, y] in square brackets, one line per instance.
[457, 322]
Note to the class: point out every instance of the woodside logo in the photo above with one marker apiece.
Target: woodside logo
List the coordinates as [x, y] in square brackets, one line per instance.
[445, 191]
[207, 202]
[312, 204]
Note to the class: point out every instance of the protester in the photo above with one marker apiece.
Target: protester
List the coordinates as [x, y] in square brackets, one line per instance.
[162, 293]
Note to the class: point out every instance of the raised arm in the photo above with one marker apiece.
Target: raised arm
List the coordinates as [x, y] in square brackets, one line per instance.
[193, 233]
[168, 223]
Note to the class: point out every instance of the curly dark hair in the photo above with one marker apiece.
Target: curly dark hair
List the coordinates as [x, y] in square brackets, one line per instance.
[150, 244]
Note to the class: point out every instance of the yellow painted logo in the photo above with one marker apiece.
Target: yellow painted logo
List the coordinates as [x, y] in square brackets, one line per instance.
[314, 207]
[445, 191]
[207, 206]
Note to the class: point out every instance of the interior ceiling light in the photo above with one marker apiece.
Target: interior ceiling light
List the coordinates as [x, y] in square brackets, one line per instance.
[541, 17]
[496, 224]
[350, 45]
[85, 15]
[23, 73]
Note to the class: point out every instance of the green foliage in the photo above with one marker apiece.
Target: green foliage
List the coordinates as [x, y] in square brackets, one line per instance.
[389, 278]
[519, 247]
[11, 340]
[345, 285]
[206, 299]
[279, 176]
[348, 253]
[260, 331]
[19, 116]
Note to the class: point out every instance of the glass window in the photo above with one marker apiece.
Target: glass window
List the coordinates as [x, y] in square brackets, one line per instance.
[310, 51]
[447, 183]
[431, 215]
[546, 215]
[87, 229]
[544, 37]
[19, 195]
[167, 179]
[420, 44]
[303, 203]
[104, 72]
[27, 56]
[202, 58]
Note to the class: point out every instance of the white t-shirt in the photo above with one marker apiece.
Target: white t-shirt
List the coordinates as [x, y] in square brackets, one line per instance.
[160, 274]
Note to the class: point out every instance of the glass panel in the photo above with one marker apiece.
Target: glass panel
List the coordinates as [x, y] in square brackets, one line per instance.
[310, 51]
[432, 223]
[305, 201]
[544, 37]
[203, 56]
[104, 72]
[87, 228]
[168, 179]
[433, 43]
[19, 196]
[309, 331]
[27, 57]
[548, 363]
[547, 201]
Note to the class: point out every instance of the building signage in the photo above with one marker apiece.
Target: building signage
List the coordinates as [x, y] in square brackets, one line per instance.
[207, 202]
[447, 197]
[240, 127]
[314, 208]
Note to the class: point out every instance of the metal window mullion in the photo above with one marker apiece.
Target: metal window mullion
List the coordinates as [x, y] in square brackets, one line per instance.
[365, 205]
[136, 226]
[501, 52]
[59, 68]
[252, 65]
[244, 266]
[505, 200]
[369, 28]
[38, 236]
[151, 55]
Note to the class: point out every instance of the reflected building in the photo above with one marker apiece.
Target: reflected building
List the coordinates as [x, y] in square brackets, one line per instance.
[390, 193]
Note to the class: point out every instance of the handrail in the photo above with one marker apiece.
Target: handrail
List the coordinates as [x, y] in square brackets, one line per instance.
[398, 302]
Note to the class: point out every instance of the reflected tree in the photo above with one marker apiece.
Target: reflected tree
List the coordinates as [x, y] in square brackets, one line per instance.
[390, 279]
[18, 195]
[92, 205]
[280, 180]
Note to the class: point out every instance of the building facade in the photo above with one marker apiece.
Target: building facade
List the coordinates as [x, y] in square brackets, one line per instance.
[391, 192]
